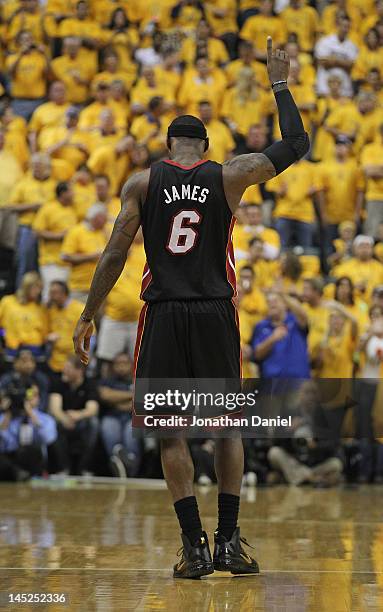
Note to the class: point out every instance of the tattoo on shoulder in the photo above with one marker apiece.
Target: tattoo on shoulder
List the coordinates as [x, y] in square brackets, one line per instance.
[256, 164]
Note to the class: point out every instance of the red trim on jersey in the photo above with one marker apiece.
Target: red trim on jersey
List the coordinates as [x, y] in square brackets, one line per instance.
[146, 279]
[173, 163]
[140, 333]
[239, 331]
[230, 259]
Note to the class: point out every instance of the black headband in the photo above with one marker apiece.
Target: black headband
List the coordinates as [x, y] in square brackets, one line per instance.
[189, 131]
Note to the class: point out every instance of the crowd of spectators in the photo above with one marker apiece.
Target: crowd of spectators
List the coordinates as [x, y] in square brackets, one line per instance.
[87, 90]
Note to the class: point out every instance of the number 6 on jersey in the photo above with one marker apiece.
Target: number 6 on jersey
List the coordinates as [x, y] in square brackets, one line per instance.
[183, 236]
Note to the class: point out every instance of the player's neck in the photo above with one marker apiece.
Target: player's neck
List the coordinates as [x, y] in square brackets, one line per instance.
[185, 159]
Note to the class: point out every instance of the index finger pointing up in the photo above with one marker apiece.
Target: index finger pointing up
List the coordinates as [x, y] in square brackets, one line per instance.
[269, 47]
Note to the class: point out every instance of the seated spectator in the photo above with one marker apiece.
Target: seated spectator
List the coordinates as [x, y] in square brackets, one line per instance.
[221, 16]
[114, 161]
[113, 70]
[75, 69]
[15, 129]
[11, 173]
[345, 294]
[257, 28]
[27, 71]
[51, 224]
[84, 191]
[364, 271]
[246, 103]
[294, 210]
[256, 140]
[24, 320]
[147, 88]
[48, 115]
[27, 17]
[343, 244]
[255, 228]
[203, 83]
[168, 73]
[290, 278]
[63, 314]
[105, 130]
[279, 342]
[118, 328]
[122, 37]
[310, 454]
[340, 189]
[25, 373]
[67, 142]
[89, 116]
[73, 403]
[104, 196]
[246, 59]
[316, 310]
[265, 270]
[336, 51]
[221, 143]
[82, 248]
[150, 129]
[372, 166]
[27, 196]
[115, 392]
[303, 21]
[370, 56]
[26, 433]
[334, 355]
[82, 26]
[203, 44]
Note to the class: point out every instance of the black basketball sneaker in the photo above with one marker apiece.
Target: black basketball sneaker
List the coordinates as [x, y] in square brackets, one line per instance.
[229, 555]
[195, 560]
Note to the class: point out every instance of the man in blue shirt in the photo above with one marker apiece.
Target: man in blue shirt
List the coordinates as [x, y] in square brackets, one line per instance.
[279, 342]
[25, 434]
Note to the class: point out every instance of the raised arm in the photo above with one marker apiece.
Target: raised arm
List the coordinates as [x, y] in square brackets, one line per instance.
[245, 170]
[113, 259]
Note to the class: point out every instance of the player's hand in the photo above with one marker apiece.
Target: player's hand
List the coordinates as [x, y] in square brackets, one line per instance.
[278, 63]
[81, 340]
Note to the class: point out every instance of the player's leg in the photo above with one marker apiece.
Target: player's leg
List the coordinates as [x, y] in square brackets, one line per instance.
[216, 354]
[162, 341]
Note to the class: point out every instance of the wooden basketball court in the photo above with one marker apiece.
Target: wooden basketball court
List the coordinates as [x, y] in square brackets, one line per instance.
[111, 547]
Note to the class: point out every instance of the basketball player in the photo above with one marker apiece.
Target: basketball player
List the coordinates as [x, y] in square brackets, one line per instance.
[188, 324]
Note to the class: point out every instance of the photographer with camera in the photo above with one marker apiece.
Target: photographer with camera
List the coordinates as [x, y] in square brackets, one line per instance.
[25, 432]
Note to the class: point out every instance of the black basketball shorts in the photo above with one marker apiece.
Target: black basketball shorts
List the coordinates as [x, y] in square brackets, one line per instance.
[188, 339]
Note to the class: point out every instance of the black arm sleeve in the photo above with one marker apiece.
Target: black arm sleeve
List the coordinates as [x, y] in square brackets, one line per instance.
[295, 141]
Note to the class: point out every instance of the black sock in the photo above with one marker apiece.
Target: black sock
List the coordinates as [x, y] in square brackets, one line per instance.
[228, 509]
[188, 516]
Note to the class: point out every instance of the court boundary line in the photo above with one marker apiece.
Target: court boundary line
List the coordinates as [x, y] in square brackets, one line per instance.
[168, 571]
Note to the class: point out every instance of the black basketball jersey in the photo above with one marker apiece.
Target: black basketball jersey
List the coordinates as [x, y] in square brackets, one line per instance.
[187, 226]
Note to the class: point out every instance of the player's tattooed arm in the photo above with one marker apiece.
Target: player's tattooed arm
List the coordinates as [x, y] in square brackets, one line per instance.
[244, 170]
[112, 261]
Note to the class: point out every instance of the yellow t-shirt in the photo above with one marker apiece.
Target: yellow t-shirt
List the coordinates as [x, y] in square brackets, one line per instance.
[341, 183]
[365, 61]
[22, 323]
[26, 21]
[372, 154]
[31, 191]
[233, 69]
[47, 115]
[216, 51]
[84, 197]
[90, 116]
[221, 141]
[29, 80]
[245, 114]
[337, 356]
[194, 90]
[65, 69]
[81, 28]
[11, 173]
[142, 127]
[105, 160]
[123, 43]
[297, 203]
[242, 234]
[368, 272]
[256, 29]
[80, 239]
[62, 321]
[324, 142]
[318, 323]
[141, 94]
[123, 302]
[127, 76]
[252, 195]
[304, 22]
[70, 152]
[222, 24]
[53, 217]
